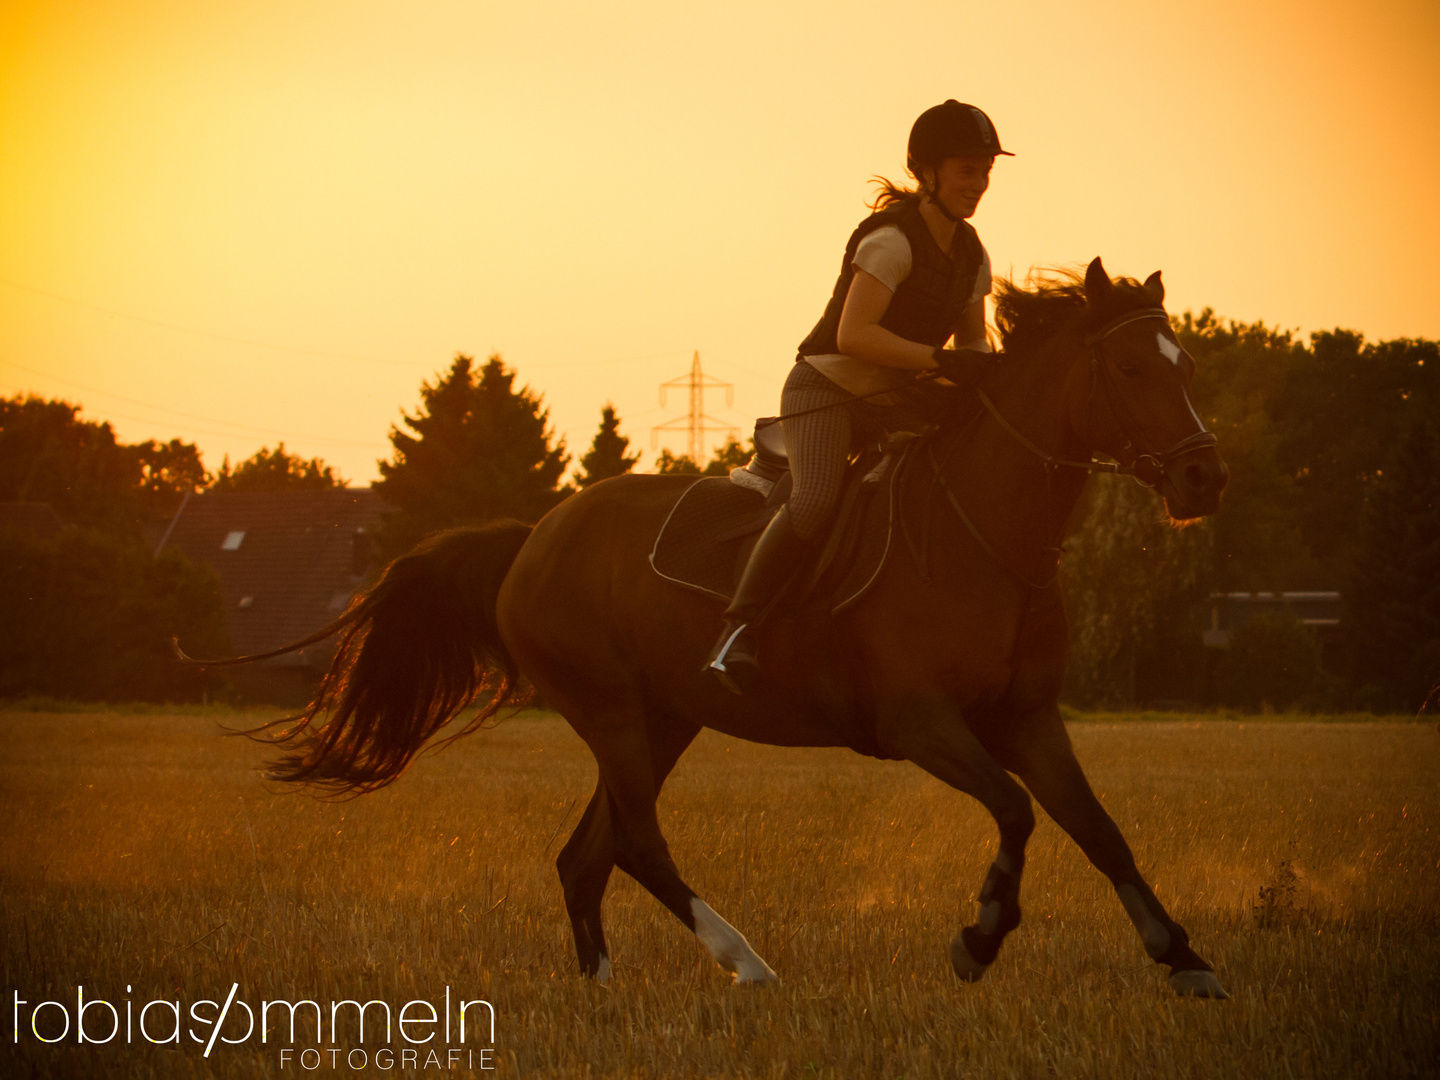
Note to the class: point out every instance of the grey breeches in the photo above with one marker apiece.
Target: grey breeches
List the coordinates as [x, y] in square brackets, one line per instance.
[818, 445]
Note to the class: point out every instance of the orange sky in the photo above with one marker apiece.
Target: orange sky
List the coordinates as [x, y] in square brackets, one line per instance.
[339, 196]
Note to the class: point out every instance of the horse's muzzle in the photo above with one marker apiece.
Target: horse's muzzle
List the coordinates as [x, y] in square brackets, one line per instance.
[1194, 482]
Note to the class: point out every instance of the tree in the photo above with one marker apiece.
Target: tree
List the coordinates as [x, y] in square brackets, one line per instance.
[727, 457]
[682, 464]
[1272, 659]
[730, 456]
[1125, 570]
[48, 454]
[88, 615]
[276, 470]
[1392, 591]
[1242, 371]
[606, 457]
[480, 450]
[1343, 409]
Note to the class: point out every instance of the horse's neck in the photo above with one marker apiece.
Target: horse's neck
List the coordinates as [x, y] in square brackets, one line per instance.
[1019, 505]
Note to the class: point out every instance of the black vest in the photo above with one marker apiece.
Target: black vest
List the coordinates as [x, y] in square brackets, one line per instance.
[928, 304]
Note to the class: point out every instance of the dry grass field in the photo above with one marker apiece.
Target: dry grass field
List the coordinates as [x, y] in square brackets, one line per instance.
[143, 851]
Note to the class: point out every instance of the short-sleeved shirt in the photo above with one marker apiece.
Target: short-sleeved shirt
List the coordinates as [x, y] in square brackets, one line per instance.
[885, 255]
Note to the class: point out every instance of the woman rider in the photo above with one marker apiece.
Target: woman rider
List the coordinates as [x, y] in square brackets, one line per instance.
[914, 275]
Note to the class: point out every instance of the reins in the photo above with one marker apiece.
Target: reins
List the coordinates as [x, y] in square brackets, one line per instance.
[1159, 461]
[919, 377]
[1154, 463]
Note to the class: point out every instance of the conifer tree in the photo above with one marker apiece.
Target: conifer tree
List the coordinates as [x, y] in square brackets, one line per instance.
[606, 456]
[477, 449]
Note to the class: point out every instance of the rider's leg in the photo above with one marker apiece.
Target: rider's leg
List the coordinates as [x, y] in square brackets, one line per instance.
[818, 445]
[778, 553]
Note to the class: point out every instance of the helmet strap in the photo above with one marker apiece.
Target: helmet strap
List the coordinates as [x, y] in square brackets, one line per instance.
[944, 212]
[929, 192]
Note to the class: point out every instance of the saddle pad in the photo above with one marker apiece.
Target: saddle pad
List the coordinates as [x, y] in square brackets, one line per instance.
[707, 537]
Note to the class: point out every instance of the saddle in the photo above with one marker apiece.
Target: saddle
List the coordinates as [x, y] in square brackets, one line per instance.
[707, 537]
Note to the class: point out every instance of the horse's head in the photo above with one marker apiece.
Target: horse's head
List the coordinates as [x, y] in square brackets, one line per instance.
[1139, 411]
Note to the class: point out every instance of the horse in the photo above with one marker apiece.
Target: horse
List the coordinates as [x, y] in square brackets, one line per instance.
[953, 662]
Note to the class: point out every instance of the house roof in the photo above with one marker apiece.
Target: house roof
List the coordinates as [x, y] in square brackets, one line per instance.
[288, 562]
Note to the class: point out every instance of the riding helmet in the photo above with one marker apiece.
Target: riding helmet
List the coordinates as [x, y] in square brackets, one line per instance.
[953, 129]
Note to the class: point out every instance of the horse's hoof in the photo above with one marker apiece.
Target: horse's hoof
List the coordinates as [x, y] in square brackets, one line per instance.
[1200, 984]
[966, 966]
[767, 978]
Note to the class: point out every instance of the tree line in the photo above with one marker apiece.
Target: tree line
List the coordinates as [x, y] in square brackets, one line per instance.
[89, 613]
[1332, 443]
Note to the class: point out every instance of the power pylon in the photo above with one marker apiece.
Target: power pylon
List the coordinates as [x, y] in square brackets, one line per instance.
[696, 422]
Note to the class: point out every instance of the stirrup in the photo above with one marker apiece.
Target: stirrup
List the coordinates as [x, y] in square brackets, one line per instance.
[717, 667]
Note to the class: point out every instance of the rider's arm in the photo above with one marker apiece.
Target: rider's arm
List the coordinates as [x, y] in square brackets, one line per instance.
[970, 333]
[860, 334]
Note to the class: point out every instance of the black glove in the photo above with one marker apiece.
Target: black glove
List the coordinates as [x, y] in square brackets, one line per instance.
[965, 367]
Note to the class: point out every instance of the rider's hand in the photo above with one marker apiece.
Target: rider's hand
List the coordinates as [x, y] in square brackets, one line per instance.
[965, 367]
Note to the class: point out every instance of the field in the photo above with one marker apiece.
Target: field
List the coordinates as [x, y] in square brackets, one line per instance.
[145, 859]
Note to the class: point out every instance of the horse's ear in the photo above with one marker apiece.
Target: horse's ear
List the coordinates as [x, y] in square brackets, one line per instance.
[1097, 283]
[1155, 287]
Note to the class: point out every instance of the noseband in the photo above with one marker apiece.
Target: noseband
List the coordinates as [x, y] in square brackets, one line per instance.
[1147, 467]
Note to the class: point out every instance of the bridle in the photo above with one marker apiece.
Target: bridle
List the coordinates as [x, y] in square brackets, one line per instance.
[1152, 472]
[1149, 468]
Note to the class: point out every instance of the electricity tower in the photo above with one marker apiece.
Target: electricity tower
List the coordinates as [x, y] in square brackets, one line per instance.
[696, 423]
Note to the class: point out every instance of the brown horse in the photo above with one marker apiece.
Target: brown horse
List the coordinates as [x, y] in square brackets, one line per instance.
[955, 666]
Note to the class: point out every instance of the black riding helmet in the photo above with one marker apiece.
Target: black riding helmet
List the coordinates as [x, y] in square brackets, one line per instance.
[952, 129]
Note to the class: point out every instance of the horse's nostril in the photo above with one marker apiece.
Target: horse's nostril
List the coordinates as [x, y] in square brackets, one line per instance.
[1196, 476]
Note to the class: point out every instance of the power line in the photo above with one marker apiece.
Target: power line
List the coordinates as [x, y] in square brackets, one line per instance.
[696, 423]
[248, 428]
[205, 333]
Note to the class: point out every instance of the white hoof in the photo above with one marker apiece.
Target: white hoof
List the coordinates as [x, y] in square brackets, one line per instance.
[728, 946]
[966, 966]
[1201, 984]
[602, 974]
[757, 978]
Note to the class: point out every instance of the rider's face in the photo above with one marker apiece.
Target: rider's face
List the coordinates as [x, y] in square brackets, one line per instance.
[959, 183]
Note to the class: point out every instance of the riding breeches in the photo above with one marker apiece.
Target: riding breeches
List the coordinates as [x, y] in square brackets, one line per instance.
[818, 445]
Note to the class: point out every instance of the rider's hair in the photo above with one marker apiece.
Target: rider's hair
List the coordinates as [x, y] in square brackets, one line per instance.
[891, 193]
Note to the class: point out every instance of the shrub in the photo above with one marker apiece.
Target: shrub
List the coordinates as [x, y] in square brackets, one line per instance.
[89, 616]
[1272, 660]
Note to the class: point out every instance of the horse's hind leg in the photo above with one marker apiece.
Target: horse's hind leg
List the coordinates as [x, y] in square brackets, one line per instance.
[585, 863]
[1045, 760]
[936, 738]
[626, 772]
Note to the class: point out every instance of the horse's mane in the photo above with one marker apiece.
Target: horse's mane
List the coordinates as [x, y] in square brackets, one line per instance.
[1050, 300]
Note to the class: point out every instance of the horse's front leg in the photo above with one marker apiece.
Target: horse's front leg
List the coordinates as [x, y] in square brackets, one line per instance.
[1041, 753]
[933, 734]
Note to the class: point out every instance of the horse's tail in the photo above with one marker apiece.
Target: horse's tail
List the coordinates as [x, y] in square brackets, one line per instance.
[418, 648]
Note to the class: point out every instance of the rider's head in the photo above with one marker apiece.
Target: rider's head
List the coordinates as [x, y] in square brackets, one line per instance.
[951, 149]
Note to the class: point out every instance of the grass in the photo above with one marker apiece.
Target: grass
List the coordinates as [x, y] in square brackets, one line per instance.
[142, 850]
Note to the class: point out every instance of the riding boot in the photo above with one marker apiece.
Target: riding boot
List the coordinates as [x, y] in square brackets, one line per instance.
[777, 555]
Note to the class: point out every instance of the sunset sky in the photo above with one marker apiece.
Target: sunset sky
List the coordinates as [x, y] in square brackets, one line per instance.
[239, 222]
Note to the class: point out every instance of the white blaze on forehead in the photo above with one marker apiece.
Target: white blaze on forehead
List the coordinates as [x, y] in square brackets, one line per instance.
[1168, 347]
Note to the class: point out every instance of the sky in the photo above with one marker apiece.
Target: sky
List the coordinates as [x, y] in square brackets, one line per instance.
[241, 221]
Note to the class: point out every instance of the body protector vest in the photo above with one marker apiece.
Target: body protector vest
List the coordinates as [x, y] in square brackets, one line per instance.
[928, 304]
